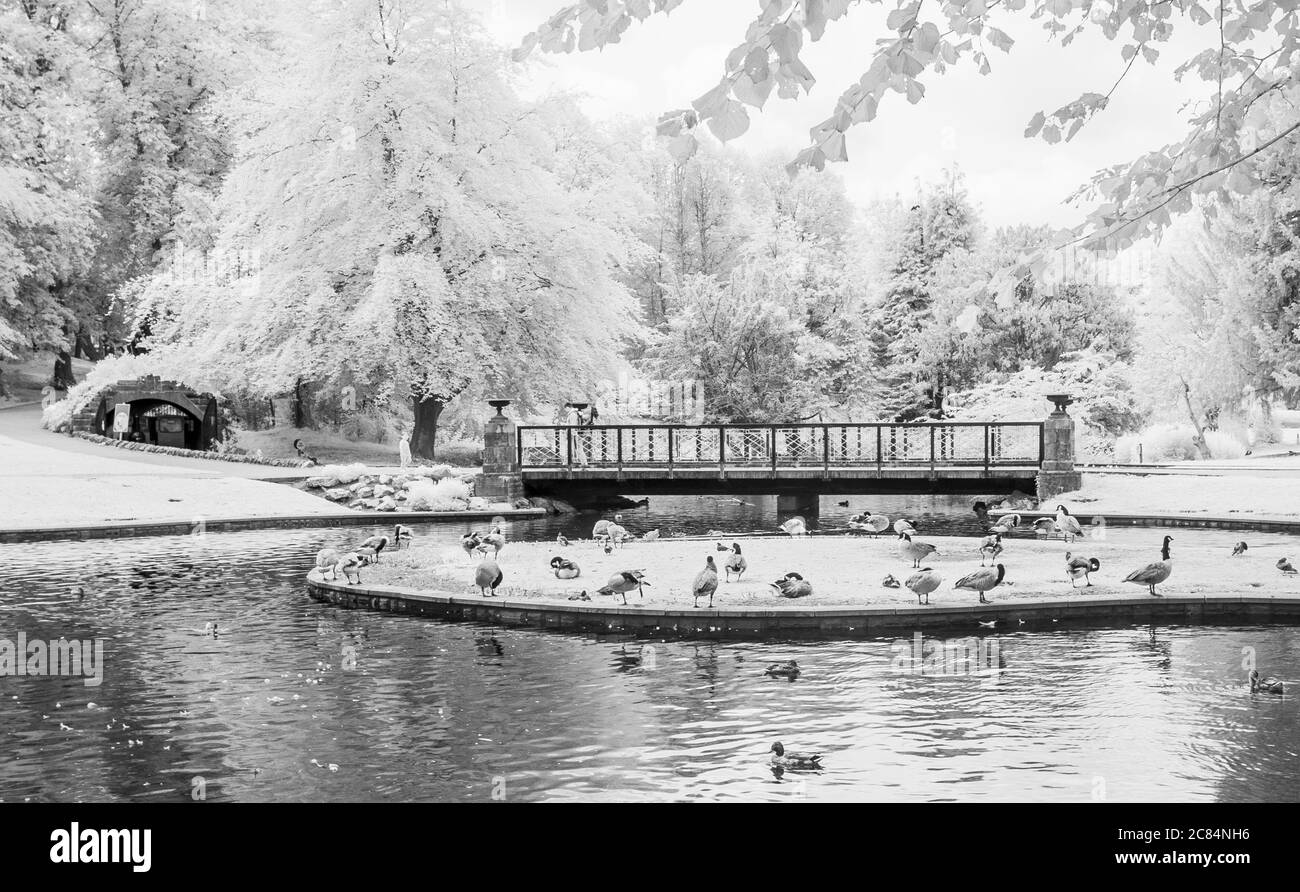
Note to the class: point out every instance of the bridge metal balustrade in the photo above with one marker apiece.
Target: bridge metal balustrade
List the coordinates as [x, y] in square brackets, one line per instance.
[882, 445]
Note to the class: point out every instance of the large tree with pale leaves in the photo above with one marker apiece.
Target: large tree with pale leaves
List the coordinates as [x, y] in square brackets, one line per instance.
[416, 228]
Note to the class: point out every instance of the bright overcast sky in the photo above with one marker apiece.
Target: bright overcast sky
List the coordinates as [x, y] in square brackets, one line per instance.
[972, 121]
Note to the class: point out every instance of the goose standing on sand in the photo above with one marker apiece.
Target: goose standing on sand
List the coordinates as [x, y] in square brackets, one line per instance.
[795, 526]
[1079, 568]
[735, 563]
[564, 568]
[487, 577]
[1268, 685]
[792, 585]
[915, 550]
[623, 582]
[923, 583]
[1239, 549]
[326, 558]
[1005, 524]
[706, 583]
[990, 547]
[350, 564]
[494, 540]
[1285, 565]
[875, 524]
[1044, 527]
[651, 535]
[375, 544]
[402, 534]
[470, 543]
[1156, 572]
[1068, 524]
[982, 581]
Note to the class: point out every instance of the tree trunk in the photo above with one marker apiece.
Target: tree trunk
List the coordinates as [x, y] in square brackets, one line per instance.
[63, 376]
[427, 412]
[301, 406]
[1199, 440]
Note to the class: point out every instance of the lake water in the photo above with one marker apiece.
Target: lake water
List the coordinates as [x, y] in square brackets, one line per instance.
[297, 700]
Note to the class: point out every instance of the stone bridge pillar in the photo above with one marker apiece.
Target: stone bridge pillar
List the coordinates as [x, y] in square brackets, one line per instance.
[1057, 474]
[501, 480]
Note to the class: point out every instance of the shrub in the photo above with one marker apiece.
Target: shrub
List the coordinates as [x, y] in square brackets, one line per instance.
[448, 494]
[1176, 442]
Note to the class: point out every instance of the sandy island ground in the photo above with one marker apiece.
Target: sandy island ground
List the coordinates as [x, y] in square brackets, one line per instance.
[845, 571]
[1185, 494]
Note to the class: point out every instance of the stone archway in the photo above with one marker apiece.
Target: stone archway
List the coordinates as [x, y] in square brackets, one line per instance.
[163, 413]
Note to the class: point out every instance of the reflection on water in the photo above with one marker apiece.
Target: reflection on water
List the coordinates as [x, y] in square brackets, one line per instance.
[295, 700]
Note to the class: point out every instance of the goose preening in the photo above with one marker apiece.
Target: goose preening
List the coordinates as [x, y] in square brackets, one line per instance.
[494, 540]
[1079, 568]
[561, 541]
[875, 524]
[789, 669]
[923, 583]
[795, 526]
[402, 534]
[1268, 685]
[1005, 524]
[901, 526]
[1155, 572]
[487, 577]
[351, 565]
[623, 582]
[982, 581]
[990, 547]
[373, 546]
[1239, 549]
[890, 581]
[1285, 565]
[794, 761]
[650, 535]
[735, 563]
[915, 550]
[599, 530]
[1068, 524]
[564, 568]
[326, 559]
[1044, 527]
[792, 585]
[470, 543]
[706, 582]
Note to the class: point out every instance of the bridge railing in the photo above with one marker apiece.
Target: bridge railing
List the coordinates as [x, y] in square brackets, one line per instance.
[972, 444]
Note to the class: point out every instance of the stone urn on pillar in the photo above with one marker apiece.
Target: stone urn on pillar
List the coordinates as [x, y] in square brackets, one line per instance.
[501, 480]
[1058, 474]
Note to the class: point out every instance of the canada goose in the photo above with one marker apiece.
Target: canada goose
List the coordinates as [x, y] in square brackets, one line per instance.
[598, 531]
[368, 554]
[735, 563]
[561, 541]
[794, 761]
[1079, 568]
[564, 568]
[1268, 685]
[402, 534]
[706, 583]
[1156, 572]
[795, 526]
[487, 577]
[792, 585]
[982, 581]
[1005, 524]
[375, 544]
[350, 564]
[470, 543]
[890, 581]
[1285, 565]
[623, 582]
[1068, 524]
[902, 526]
[990, 546]
[1044, 527]
[915, 551]
[326, 558]
[617, 534]
[789, 669]
[843, 504]
[494, 540]
[875, 524]
[1239, 549]
[923, 583]
[650, 535]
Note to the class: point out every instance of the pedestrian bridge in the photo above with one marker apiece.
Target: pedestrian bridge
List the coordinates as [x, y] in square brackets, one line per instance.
[567, 461]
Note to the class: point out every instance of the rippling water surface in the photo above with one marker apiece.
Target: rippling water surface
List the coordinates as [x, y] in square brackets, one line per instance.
[268, 710]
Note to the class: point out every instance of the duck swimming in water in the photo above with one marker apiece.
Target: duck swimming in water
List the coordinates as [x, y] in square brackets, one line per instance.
[789, 669]
[564, 568]
[1268, 685]
[794, 761]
